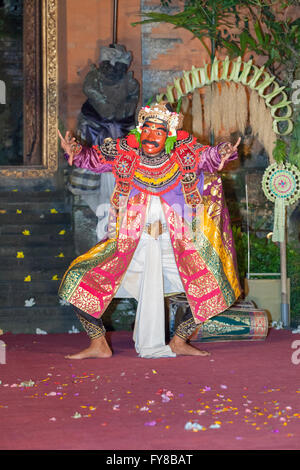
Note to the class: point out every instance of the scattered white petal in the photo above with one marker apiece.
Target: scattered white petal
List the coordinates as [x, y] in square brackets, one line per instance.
[38, 331]
[30, 302]
[73, 330]
[28, 383]
[165, 398]
[189, 426]
[214, 426]
[277, 325]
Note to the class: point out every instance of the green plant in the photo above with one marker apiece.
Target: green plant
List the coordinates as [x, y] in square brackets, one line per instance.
[293, 150]
[265, 258]
[239, 26]
[260, 27]
[265, 255]
[280, 151]
[273, 35]
[289, 148]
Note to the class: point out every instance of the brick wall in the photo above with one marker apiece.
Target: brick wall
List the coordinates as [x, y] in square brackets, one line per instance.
[83, 28]
[160, 52]
[166, 51]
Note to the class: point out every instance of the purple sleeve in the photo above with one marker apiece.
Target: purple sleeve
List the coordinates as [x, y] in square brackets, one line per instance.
[210, 158]
[88, 158]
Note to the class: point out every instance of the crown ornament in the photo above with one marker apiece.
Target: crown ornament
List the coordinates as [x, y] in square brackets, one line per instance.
[160, 113]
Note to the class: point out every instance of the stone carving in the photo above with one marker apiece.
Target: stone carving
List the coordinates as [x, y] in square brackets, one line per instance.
[112, 96]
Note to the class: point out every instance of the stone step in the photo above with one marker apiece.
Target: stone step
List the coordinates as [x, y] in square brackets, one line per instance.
[35, 229]
[32, 207]
[36, 274]
[52, 319]
[47, 239]
[28, 219]
[37, 251]
[33, 196]
[44, 215]
[29, 289]
[40, 299]
[29, 262]
[119, 315]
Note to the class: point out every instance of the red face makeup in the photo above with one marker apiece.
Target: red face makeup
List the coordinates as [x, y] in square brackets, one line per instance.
[153, 138]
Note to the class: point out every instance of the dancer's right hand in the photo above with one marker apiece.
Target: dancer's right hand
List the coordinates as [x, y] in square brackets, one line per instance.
[69, 145]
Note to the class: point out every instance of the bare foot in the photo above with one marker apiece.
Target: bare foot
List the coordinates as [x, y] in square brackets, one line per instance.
[180, 347]
[98, 348]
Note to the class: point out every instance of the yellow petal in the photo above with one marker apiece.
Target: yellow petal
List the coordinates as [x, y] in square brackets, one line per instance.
[62, 232]
[61, 255]
[26, 232]
[53, 211]
[27, 278]
[15, 190]
[20, 254]
[55, 278]
[18, 211]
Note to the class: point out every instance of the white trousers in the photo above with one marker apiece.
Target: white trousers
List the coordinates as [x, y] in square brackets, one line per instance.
[151, 273]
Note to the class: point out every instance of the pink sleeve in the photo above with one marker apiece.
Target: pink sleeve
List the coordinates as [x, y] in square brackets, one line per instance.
[210, 158]
[90, 159]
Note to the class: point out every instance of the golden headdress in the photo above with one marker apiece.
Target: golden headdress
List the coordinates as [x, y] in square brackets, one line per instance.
[159, 112]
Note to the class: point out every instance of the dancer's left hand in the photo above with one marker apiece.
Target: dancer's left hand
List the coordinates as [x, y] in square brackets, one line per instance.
[227, 151]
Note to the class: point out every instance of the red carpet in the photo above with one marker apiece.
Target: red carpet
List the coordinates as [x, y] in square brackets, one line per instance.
[246, 395]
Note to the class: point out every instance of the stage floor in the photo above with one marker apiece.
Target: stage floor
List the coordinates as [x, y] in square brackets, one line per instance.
[245, 396]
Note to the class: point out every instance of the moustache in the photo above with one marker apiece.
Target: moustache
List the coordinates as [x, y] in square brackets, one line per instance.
[145, 141]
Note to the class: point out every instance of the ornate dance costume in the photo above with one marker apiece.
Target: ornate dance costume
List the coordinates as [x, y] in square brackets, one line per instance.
[177, 197]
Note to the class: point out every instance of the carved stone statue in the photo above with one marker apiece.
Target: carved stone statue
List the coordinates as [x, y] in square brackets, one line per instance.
[112, 96]
[109, 111]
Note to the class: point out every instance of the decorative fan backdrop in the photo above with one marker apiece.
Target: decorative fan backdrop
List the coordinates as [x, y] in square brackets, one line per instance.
[281, 185]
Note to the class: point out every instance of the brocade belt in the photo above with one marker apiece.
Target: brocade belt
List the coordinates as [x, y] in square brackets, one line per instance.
[155, 229]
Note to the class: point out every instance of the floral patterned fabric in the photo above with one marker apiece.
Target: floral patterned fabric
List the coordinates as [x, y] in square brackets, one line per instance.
[200, 232]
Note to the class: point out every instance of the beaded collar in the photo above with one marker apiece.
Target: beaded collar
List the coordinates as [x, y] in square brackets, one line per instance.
[153, 175]
[156, 175]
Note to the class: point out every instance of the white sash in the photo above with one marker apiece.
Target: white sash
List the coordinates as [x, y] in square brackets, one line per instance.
[149, 329]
